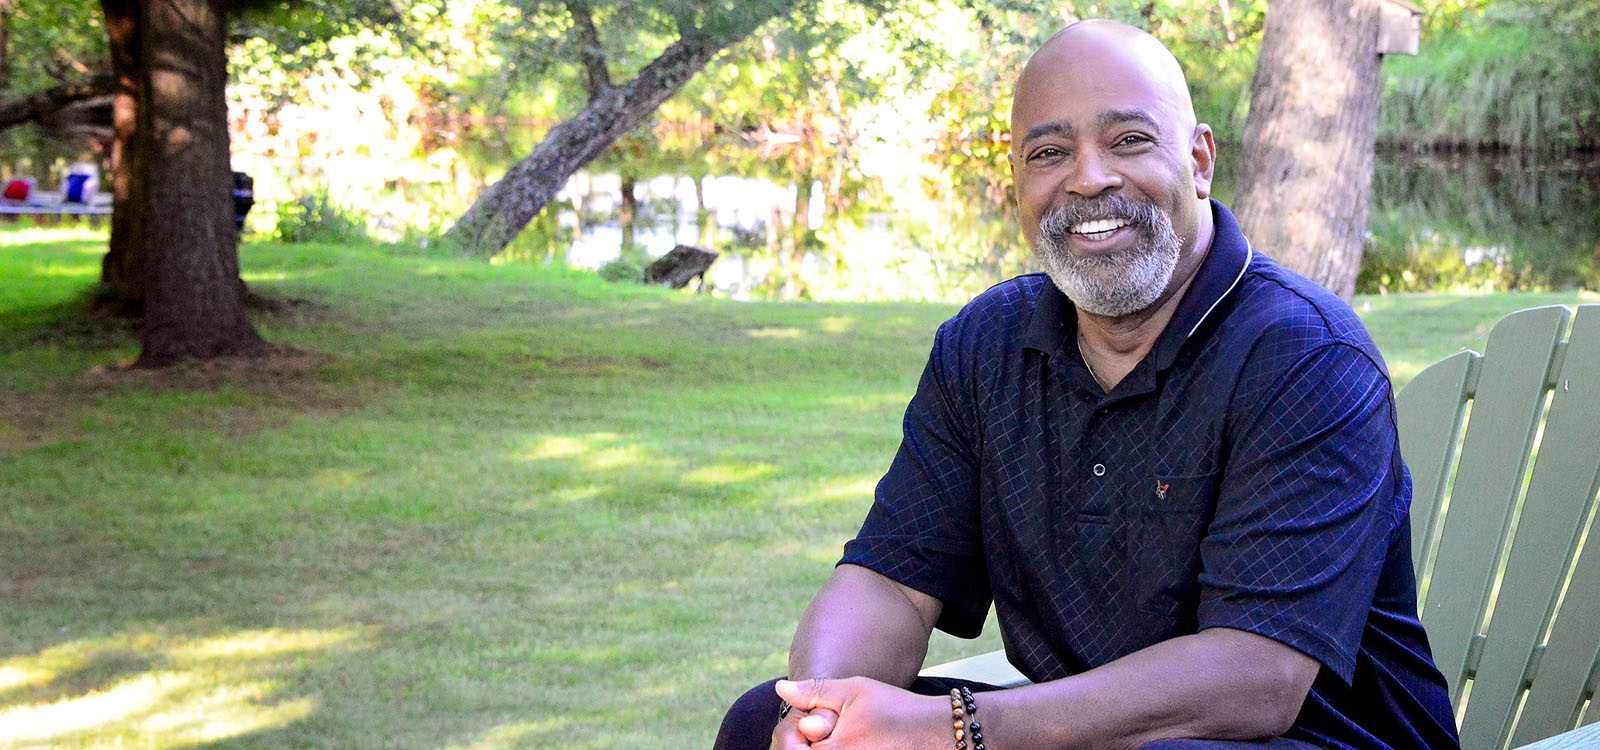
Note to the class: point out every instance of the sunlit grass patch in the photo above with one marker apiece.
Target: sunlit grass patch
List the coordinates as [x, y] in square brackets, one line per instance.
[150, 690]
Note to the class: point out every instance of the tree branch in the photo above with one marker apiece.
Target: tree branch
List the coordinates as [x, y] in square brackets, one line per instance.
[42, 104]
[590, 53]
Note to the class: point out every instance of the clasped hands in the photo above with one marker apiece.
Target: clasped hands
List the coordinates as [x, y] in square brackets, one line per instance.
[860, 713]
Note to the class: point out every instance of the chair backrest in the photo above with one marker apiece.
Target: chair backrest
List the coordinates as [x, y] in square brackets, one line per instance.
[1511, 605]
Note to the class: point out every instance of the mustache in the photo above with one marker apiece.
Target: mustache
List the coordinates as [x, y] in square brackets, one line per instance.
[1058, 222]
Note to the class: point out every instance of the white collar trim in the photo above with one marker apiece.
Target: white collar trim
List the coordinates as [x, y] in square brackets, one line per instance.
[1248, 255]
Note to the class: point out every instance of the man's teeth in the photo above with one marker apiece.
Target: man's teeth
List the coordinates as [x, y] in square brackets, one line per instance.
[1096, 227]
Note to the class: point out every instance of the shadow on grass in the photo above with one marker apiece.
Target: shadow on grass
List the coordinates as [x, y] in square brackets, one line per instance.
[82, 321]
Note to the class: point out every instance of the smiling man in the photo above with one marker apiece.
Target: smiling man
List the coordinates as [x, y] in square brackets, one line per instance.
[1169, 464]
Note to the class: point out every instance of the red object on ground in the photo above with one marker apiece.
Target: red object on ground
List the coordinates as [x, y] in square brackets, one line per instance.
[17, 190]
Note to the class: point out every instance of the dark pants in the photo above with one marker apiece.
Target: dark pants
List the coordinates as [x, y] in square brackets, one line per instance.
[749, 723]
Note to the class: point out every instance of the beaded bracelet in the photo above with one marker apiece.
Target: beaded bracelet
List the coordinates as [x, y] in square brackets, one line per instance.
[964, 719]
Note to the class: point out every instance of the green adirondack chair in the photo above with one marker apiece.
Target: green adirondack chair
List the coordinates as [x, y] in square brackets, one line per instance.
[1511, 606]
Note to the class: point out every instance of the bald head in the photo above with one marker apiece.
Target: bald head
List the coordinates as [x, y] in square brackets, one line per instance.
[1112, 54]
[1112, 172]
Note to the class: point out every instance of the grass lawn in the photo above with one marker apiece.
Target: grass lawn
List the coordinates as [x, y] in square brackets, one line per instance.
[491, 505]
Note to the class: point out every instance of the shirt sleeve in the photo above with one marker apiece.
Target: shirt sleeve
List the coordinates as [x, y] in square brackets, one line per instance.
[1309, 498]
[922, 530]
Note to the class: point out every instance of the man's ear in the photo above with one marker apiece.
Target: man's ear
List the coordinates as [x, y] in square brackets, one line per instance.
[1016, 200]
[1203, 152]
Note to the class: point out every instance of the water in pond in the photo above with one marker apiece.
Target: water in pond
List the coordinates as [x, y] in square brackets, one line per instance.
[1501, 222]
[1478, 221]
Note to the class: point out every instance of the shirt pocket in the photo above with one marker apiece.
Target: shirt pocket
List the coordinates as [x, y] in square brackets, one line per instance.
[1171, 517]
[1098, 561]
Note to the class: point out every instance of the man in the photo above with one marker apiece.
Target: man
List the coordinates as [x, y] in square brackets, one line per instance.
[1173, 470]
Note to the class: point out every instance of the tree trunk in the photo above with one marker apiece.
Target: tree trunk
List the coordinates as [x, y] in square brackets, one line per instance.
[5, 44]
[1305, 171]
[503, 210]
[629, 213]
[194, 300]
[702, 214]
[802, 216]
[122, 269]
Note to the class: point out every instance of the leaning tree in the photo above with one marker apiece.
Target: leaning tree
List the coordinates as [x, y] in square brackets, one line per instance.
[597, 35]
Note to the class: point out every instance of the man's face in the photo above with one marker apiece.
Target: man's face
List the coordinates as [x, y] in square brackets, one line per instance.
[1105, 163]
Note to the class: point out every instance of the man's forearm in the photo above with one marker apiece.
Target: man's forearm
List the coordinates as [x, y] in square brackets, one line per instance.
[1218, 684]
[862, 625]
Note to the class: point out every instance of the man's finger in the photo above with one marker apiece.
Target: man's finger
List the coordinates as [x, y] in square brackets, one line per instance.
[813, 694]
[817, 725]
[787, 736]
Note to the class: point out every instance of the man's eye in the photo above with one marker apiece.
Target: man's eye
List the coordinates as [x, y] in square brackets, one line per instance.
[1132, 140]
[1048, 152]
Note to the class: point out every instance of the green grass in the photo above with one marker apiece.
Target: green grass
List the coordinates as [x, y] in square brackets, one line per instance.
[491, 506]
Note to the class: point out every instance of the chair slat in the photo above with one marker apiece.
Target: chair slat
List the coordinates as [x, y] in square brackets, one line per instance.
[991, 668]
[1586, 738]
[1505, 408]
[1429, 411]
[1552, 516]
[1567, 667]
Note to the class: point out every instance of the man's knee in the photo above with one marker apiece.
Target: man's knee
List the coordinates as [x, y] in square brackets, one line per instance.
[749, 722]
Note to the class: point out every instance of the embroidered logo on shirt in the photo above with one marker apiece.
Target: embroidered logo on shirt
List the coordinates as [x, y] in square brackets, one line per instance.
[1161, 489]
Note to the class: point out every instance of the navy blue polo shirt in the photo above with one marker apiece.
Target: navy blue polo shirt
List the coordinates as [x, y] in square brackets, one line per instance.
[1246, 474]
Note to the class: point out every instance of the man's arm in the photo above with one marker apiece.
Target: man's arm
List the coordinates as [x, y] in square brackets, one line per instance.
[862, 624]
[859, 624]
[1219, 683]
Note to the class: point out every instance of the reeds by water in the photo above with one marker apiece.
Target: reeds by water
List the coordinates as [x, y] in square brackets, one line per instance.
[1516, 87]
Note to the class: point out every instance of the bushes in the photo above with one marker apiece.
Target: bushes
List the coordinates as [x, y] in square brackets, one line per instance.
[314, 217]
[623, 269]
[1511, 81]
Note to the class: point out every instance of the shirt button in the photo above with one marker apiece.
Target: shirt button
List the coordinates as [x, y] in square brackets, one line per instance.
[1099, 470]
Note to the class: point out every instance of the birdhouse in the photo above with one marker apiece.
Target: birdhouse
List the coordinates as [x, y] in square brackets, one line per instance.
[1399, 28]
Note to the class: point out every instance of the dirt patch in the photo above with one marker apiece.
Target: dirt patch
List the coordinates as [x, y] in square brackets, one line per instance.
[294, 308]
[285, 383]
[32, 422]
[280, 365]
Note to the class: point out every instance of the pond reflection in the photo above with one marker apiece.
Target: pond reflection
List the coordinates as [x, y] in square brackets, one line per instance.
[1438, 222]
[1503, 222]
[1487, 222]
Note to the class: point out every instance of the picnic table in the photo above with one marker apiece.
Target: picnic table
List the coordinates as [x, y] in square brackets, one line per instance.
[41, 203]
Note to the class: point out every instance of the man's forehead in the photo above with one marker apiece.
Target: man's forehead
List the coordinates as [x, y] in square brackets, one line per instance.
[1113, 62]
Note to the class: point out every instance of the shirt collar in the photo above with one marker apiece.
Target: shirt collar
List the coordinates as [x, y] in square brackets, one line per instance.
[1055, 319]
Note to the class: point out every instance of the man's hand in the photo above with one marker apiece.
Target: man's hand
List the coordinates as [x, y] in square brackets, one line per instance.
[801, 728]
[867, 714]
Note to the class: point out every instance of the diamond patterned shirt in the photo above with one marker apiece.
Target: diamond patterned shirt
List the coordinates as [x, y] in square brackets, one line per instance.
[1246, 475]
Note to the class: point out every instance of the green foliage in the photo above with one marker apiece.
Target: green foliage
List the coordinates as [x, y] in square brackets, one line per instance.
[314, 217]
[1521, 77]
[625, 269]
[51, 42]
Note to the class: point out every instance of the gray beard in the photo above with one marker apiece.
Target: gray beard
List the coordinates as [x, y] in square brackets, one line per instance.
[1111, 285]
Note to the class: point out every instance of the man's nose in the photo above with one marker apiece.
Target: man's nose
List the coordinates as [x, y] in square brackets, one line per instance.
[1091, 175]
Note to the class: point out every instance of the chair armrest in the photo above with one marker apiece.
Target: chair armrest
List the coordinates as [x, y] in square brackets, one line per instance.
[1582, 737]
[991, 668]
